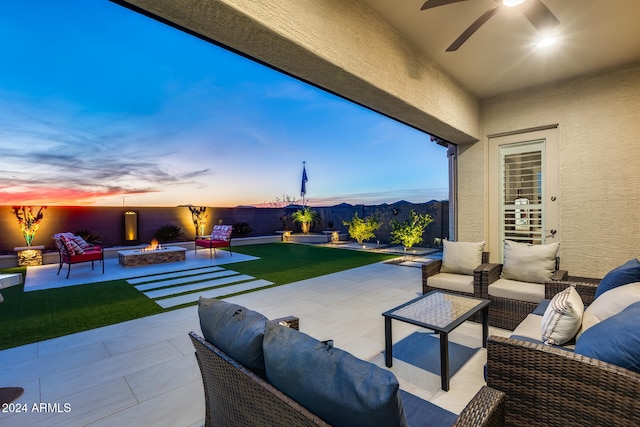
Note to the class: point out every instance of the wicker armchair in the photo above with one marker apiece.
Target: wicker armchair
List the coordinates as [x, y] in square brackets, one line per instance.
[503, 312]
[432, 268]
[548, 386]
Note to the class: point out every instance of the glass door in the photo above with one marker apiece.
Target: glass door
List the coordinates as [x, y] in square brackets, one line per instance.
[522, 193]
[523, 189]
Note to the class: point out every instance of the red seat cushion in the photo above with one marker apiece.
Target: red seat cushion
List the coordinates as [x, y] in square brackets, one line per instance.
[208, 243]
[92, 254]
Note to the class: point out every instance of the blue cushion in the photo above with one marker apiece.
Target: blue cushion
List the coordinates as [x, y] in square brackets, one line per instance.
[542, 307]
[421, 413]
[235, 330]
[333, 384]
[628, 272]
[615, 340]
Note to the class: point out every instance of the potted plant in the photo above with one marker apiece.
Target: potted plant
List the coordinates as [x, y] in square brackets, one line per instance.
[409, 232]
[362, 228]
[306, 217]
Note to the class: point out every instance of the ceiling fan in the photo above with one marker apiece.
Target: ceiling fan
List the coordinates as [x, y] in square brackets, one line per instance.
[534, 10]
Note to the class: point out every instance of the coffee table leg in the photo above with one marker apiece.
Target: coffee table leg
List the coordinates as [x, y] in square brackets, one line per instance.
[485, 326]
[388, 357]
[444, 360]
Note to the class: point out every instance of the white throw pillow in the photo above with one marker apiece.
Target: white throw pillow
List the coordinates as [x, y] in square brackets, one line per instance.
[461, 257]
[529, 263]
[609, 304]
[563, 317]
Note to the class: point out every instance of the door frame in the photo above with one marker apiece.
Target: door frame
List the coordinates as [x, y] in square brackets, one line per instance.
[550, 135]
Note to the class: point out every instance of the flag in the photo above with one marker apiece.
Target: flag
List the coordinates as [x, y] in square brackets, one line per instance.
[303, 189]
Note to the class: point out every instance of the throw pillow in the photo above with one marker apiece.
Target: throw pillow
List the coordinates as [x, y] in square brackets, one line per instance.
[615, 340]
[234, 329]
[221, 232]
[58, 241]
[333, 384]
[529, 263]
[81, 242]
[609, 304]
[563, 317]
[71, 245]
[461, 257]
[628, 272]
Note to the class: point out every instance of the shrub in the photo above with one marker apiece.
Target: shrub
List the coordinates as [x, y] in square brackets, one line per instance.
[241, 229]
[362, 228]
[410, 232]
[168, 233]
[88, 236]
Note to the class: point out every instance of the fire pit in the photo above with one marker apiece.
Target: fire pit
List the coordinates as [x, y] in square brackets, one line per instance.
[152, 254]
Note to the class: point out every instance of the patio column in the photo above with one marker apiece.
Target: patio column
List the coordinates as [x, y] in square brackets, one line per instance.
[452, 156]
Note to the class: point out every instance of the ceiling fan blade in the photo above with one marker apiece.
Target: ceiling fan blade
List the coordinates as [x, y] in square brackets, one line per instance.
[472, 29]
[539, 15]
[430, 4]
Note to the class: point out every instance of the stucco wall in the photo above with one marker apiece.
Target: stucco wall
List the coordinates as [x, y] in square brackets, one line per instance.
[108, 224]
[471, 193]
[339, 45]
[599, 129]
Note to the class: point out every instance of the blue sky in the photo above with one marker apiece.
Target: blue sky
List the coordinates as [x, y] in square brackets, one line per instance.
[103, 106]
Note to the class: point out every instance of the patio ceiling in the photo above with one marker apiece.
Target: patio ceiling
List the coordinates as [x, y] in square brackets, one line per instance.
[594, 35]
[390, 56]
[501, 56]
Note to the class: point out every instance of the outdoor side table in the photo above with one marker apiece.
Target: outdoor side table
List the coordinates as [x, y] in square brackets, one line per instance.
[441, 312]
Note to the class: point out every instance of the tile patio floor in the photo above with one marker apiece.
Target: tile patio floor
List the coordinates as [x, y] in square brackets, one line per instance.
[143, 372]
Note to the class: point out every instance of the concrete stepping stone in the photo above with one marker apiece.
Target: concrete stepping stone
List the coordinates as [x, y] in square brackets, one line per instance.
[188, 279]
[175, 274]
[212, 293]
[197, 286]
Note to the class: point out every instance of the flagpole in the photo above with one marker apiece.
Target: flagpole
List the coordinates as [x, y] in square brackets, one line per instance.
[303, 188]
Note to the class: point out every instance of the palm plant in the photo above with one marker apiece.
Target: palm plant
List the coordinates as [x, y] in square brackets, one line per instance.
[306, 217]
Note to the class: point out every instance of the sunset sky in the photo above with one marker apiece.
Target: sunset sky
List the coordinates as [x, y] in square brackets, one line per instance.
[102, 106]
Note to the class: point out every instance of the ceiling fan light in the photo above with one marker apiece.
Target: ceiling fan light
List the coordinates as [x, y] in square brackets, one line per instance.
[547, 41]
[512, 3]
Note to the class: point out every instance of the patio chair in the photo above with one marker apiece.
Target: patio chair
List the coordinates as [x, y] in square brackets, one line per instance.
[73, 250]
[220, 238]
[455, 272]
[516, 287]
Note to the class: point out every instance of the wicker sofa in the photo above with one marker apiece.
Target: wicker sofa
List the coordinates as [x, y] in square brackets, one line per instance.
[236, 395]
[549, 386]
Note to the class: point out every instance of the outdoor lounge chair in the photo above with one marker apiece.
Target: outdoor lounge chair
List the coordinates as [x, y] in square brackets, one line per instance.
[455, 272]
[220, 238]
[70, 248]
[516, 287]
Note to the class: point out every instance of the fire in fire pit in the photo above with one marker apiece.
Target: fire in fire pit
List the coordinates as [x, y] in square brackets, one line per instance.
[153, 246]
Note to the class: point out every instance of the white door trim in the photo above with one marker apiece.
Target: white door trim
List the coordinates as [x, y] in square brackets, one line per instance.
[551, 180]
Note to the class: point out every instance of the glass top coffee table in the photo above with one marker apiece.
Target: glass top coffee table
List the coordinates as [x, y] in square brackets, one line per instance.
[441, 312]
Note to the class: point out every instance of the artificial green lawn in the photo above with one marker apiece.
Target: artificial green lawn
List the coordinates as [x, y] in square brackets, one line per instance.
[27, 317]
